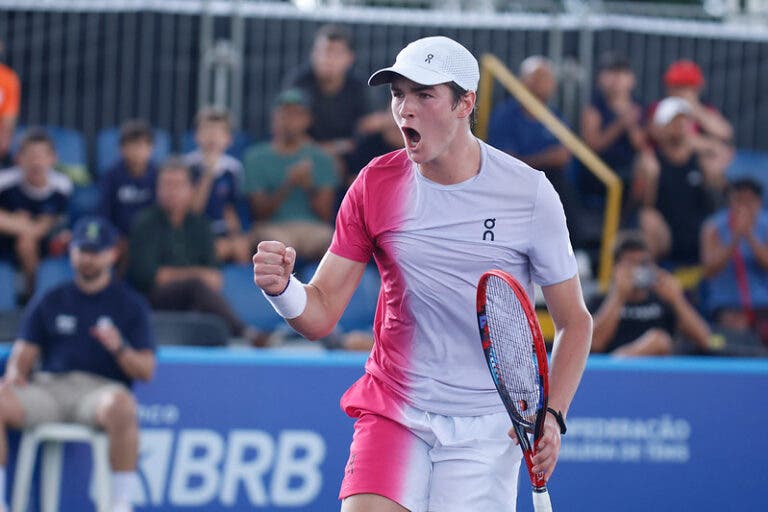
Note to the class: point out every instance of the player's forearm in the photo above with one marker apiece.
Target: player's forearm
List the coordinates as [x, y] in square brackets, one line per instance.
[569, 357]
[10, 224]
[319, 317]
[606, 322]
[137, 364]
[21, 361]
[691, 323]
[759, 249]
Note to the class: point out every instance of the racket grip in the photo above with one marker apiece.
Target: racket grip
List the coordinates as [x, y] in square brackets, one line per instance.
[541, 501]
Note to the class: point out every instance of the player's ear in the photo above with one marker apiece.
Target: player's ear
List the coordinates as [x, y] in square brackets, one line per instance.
[466, 104]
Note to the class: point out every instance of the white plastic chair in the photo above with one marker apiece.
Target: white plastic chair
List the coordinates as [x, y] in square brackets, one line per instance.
[53, 436]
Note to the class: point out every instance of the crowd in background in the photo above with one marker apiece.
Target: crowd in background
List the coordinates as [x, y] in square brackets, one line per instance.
[180, 218]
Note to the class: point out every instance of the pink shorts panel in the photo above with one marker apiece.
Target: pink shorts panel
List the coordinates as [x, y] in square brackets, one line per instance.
[384, 459]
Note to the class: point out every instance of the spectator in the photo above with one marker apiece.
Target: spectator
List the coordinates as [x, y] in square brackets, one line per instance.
[291, 182]
[338, 98]
[516, 131]
[129, 186]
[33, 206]
[734, 257]
[611, 124]
[684, 79]
[645, 307]
[385, 139]
[680, 183]
[172, 254]
[218, 179]
[10, 100]
[92, 338]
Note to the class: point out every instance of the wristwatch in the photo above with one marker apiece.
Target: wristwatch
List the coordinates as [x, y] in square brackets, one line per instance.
[560, 420]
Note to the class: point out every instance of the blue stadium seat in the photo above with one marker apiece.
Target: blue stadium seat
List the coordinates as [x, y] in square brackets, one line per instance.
[69, 144]
[750, 163]
[240, 142]
[7, 286]
[51, 272]
[362, 306]
[108, 147]
[83, 201]
[246, 300]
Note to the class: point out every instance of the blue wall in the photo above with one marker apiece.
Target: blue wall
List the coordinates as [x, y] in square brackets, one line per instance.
[247, 430]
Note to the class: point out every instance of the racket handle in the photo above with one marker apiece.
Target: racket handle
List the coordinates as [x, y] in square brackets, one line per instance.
[541, 501]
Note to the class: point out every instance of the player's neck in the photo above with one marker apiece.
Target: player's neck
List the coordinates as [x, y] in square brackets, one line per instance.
[460, 162]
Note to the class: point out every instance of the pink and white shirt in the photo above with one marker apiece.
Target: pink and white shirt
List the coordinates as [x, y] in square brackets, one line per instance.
[431, 243]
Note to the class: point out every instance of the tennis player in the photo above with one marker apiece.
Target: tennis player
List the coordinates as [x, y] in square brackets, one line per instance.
[431, 433]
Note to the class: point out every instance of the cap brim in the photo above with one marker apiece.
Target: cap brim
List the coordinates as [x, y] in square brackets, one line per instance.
[414, 73]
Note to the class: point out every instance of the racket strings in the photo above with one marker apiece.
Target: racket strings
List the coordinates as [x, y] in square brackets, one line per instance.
[515, 360]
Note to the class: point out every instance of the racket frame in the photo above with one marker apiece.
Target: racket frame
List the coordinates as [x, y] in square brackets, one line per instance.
[520, 425]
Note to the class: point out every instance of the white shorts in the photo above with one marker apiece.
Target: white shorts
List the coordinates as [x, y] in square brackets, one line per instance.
[432, 463]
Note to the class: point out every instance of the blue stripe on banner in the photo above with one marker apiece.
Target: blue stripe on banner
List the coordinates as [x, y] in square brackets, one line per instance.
[289, 357]
[680, 364]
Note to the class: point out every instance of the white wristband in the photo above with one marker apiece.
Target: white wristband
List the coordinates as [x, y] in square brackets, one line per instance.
[291, 302]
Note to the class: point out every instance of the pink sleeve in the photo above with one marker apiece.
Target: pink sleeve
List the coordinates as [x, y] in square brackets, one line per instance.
[352, 240]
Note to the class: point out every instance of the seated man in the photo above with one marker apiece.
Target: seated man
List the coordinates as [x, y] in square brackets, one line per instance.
[92, 338]
[644, 308]
[734, 255]
[291, 182]
[218, 180]
[679, 182]
[34, 202]
[611, 125]
[338, 99]
[172, 254]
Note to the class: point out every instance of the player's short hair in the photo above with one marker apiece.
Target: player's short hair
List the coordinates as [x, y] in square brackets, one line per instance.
[36, 135]
[134, 130]
[631, 241]
[335, 32]
[175, 163]
[213, 114]
[458, 93]
[744, 184]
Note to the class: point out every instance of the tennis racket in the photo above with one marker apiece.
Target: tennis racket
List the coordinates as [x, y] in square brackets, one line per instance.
[517, 358]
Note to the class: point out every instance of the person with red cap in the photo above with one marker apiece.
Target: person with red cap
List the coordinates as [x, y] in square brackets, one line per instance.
[684, 79]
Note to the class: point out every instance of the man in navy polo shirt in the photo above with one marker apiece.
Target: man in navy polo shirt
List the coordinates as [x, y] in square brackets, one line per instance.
[92, 338]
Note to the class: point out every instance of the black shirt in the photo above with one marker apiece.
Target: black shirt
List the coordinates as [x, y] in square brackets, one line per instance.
[335, 116]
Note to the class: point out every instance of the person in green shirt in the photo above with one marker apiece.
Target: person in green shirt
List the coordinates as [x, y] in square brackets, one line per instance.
[172, 258]
[290, 181]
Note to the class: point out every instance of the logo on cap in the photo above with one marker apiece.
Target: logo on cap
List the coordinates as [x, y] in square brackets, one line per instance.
[429, 58]
[92, 231]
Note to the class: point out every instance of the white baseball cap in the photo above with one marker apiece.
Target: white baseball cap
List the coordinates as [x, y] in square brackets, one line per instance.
[669, 108]
[431, 61]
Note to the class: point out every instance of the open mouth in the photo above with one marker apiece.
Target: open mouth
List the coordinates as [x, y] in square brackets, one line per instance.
[412, 137]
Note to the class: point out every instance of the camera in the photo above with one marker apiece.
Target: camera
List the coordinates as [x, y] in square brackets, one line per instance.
[643, 276]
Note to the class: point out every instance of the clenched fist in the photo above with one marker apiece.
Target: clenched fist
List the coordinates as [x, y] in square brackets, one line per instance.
[272, 266]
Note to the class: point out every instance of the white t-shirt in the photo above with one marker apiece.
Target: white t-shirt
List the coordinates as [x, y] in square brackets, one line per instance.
[431, 243]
